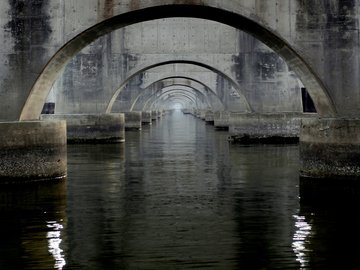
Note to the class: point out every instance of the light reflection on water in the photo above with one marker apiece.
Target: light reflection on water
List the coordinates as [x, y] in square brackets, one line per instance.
[54, 239]
[175, 196]
[303, 229]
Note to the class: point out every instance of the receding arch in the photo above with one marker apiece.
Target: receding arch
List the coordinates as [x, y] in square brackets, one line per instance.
[172, 89]
[177, 95]
[37, 96]
[206, 87]
[139, 70]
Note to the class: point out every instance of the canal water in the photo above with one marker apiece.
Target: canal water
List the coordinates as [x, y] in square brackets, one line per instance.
[176, 195]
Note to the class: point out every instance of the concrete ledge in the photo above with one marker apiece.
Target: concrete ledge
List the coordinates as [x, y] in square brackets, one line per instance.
[32, 151]
[92, 128]
[265, 128]
[132, 120]
[330, 147]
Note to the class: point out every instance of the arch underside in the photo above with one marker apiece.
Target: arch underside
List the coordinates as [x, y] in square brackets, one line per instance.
[197, 96]
[33, 105]
[207, 92]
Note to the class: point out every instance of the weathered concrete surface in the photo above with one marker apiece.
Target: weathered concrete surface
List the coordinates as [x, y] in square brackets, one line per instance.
[222, 120]
[133, 120]
[330, 148]
[32, 151]
[92, 128]
[209, 117]
[279, 127]
[146, 118]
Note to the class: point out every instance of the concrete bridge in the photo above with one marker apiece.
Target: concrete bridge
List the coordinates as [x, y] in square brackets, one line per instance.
[250, 58]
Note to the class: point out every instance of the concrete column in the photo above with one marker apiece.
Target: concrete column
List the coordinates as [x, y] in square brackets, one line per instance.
[209, 117]
[266, 128]
[330, 159]
[132, 120]
[92, 128]
[221, 120]
[146, 118]
[32, 151]
[153, 115]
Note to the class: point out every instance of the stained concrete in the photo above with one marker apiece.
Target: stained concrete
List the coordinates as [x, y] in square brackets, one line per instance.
[276, 127]
[133, 120]
[92, 128]
[330, 147]
[146, 118]
[32, 151]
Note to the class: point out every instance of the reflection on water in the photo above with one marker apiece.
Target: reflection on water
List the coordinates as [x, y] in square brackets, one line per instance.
[54, 238]
[175, 196]
[303, 229]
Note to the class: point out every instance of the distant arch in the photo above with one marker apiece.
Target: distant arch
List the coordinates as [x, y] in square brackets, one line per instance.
[173, 89]
[179, 77]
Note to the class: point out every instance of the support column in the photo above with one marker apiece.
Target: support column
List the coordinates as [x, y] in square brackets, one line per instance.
[32, 151]
[209, 117]
[330, 157]
[132, 120]
[221, 120]
[146, 118]
[266, 128]
[92, 128]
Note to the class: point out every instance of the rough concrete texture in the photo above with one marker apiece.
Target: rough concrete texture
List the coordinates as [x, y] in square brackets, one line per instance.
[146, 117]
[222, 119]
[261, 75]
[132, 120]
[209, 117]
[32, 151]
[92, 128]
[330, 147]
[280, 127]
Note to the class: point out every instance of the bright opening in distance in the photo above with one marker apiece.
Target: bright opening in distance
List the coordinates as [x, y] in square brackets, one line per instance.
[177, 106]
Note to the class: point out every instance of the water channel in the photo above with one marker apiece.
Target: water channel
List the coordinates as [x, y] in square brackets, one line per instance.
[176, 195]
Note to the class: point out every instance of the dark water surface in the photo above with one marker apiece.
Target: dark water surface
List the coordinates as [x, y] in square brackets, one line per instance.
[175, 196]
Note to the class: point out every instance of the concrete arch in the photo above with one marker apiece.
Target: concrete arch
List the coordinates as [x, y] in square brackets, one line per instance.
[177, 77]
[139, 70]
[195, 9]
[177, 95]
[172, 89]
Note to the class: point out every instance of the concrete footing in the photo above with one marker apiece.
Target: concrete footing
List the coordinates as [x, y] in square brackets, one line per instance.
[92, 128]
[330, 160]
[265, 128]
[209, 117]
[221, 120]
[154, 115]
[330, 147]
[146, 118]
[32, 151]
[133, 120]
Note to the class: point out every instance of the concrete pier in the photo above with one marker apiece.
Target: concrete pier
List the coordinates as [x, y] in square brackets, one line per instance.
[146, 118]
[209, 117]
[92, 128]
[221, 120]
[133, 120]
[329, 160]
[265, 128]
[32, 151]
[154, 115]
